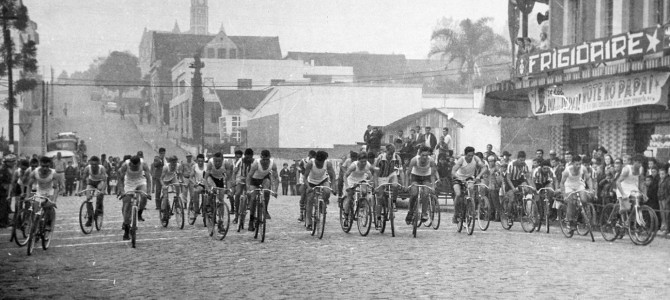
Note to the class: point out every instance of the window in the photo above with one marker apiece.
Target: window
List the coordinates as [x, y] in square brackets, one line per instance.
[235, 126]
[210, 53]
[244, 83]
[609, 18]
[216, 113]
[232, 53]
[223, 125]
[659, 12]
[187, 108]
[182, 87]
[222, 53]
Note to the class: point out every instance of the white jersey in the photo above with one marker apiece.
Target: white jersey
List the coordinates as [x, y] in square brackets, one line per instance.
[260, 172]
[45, 185]
[199, 173]
[316, 175]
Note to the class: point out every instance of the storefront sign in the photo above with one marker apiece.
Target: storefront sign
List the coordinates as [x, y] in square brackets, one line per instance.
[616, 92]
[631, 44]
[660, 141]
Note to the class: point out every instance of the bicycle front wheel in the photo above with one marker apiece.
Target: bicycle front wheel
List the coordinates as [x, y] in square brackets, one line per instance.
[32, 238]
[222, 220]
[547, 212]
[83, 218]
[22, 227]
[241, 213]
[260, 220]
[563, 221]
[642, 225]
[321, 222]
[344, 220]
[46, 235]
[483, 213]
[191, 212]
[529, 215]
[435, 214]
[315, 213]
[210, 215]
[363, 216]
[506, 219]
[470, 215]
[178, 212]
[459, 211]
[587, 217]
[609, 218]
[133, 226]
[391, 216]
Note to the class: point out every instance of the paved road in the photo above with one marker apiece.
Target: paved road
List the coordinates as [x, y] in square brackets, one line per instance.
[173, 263]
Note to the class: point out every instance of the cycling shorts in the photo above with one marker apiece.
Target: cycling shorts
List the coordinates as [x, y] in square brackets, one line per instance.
[259, 182]
[322, 183]
[218, 182]
[423, 180]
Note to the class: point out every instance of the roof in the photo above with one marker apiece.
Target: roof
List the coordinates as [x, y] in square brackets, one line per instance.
[258, 47]
[366, 66]
[236, 99]
[410, 118]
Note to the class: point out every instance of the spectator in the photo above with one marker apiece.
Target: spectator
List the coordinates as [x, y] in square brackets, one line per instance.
[156, 172]
[292, 180]
[539, 153]
[445, 141]
[71, 174]
[428, 139]
[6, 173]
[652, 191]
[506, 157]
[552, 154]
[375, 141]
[60, 165]
[489, 152]
[557, 168]
[366, 136]
[284, 175]
[606, 188]
[664, 198]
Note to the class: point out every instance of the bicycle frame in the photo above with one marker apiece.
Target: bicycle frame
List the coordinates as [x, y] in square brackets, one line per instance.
[418, 206]
[320, 207]
[134, 203]
[581, 209]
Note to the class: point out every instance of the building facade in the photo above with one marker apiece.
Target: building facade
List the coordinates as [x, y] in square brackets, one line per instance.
[603, 81]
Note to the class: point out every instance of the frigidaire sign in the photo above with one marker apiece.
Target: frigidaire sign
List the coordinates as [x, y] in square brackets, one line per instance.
[630, 44]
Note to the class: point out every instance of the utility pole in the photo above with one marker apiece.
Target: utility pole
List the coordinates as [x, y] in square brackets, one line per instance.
[198, 101]
[45, 118]
[8, 61]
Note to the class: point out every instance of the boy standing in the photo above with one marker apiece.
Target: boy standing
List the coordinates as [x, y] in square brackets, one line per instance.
[664, 198]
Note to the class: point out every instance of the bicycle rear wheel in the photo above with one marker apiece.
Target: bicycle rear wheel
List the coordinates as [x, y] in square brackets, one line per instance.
[222, 219]
[22, 227]
[506, 219]
[32, 239]
[178, 212]
[562, 219]
[609, 218]
[470, 215]
[643, 226]
[529, 215]
[483, 213]
[321, 224]
[83, 218]
[363, 216]
[584, 227]
[133, 226]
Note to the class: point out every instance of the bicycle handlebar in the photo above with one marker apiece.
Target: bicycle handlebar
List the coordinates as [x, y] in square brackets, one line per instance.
[527, 186]
[545, 188]
[265, 190]
[388, 184]
[216, 189]
[423, 186]
[134, 193]
[481, 184]
[321, 187]
[96, 192]
[39, 197]
[586, 191]
[362, 182]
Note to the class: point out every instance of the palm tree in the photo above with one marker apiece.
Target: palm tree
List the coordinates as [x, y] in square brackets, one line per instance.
[474, 46]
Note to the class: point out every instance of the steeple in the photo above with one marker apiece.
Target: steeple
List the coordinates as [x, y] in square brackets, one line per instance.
[199, 17]
[176, 27]
[222, 29]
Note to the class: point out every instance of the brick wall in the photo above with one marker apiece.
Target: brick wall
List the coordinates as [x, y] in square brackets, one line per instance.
[616, 131]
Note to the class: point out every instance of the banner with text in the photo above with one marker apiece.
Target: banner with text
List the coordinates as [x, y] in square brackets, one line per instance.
[616, 92]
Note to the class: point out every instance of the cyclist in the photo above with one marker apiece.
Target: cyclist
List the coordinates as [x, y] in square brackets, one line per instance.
[133, 176]
[198, 181]
[186, 171]
[263, 174]
[389, 166]
[45, 178]
[575, 178]
[318, 172]
[629, 181]
[215, 176]
[240, 172]
[517, 174]
[544, 178]
[19, 179]
[171, 174]
[96, 178]
[357, 172]
[301, 169]
[231, 182]
[468, 167]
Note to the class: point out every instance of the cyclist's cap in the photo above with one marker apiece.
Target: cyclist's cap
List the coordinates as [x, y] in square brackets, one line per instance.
[10, 158]
[189, 155]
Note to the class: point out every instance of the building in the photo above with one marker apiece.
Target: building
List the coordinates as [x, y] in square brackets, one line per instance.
[603, 81]
[160, 51]
[433, 117]
[367, 67]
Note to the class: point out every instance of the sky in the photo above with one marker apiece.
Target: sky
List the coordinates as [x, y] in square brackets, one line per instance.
[75, 32]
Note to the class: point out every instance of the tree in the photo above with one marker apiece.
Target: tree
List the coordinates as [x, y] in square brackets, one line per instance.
[472, 45]
[15, 17]
[119, 72]
[63, 77]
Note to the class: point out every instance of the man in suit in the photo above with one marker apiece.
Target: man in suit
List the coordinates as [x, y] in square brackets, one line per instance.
[427, 139]
[366, 137]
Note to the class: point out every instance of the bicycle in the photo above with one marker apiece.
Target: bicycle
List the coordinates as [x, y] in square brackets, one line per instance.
[318, 210]
[261, 212]
[418, 207]
[217, 213]
[640, 222]
[546, 207]
[517, 210]
[587, 215]
[86, 208]
[22, 223]
[133, 214]
[176, 209]
[466, 214]
[241, 212]
[359, 210]
[38, 229]
[386, 209]
[192, 216]
[482, 207]
[530, 215]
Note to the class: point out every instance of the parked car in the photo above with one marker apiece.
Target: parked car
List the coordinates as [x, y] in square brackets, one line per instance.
[112, 107]
[65, 155]
[62, 145]
[67, 135]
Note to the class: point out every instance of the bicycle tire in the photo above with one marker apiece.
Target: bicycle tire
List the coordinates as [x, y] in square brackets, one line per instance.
[643, 234]
[314, 212]
[211, 216]
[165, 220]
[506, 220]
[529, 215]
[241, 213]
[470, 215]
[483, 213]
[133, 227]
[363, 217]
[322, 218]
[178, 212]
[584, 227]
[345, 229]
[436, 212]
[459, 212]
[99, 219]
[222, 223]
[32, 239]
[20, 236]
[256, 221]
[430, 212]
[562, 215]
[547, 212]
[383, 213]
[391, 216]
[609, 218]
[83, 217]
[46, 236]
[191, 212]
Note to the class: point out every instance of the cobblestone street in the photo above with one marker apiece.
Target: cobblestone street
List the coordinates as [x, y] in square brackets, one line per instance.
[173, 263]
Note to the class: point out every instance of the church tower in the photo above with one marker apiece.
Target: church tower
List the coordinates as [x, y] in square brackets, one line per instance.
[199, 14]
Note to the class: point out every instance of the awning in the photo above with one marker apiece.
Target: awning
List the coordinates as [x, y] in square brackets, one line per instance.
[506, 102]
